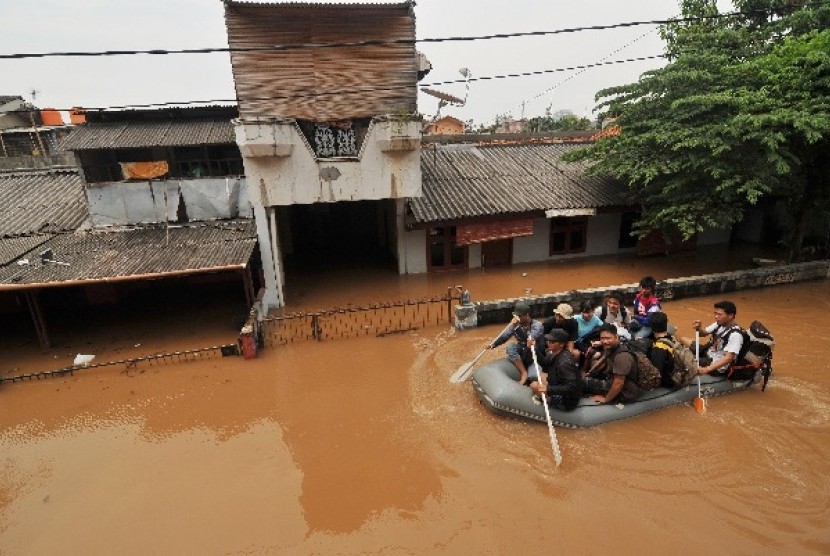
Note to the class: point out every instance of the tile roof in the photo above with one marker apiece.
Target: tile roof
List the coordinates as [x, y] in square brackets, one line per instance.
[135, 253]
[468, 181]
[41, 201]
[126, 135]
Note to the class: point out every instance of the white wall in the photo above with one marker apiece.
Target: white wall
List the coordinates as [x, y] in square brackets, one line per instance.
[282, 169]
[412, 252]
[474, 255]
[603, 238]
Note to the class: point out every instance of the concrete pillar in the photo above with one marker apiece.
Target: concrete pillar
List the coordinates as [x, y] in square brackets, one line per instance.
[273, 291]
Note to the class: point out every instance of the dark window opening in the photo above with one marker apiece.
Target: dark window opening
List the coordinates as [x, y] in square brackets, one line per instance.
[210, 161]
[568, 235]
[443, 253]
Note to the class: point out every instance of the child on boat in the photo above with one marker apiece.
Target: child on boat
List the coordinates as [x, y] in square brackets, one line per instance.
[645, 303]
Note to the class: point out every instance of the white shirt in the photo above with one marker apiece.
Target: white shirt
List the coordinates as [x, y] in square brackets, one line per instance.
[717, 349]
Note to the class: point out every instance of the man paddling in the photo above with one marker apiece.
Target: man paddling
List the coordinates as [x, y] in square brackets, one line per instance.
[523, 328]
[727, 340]
[560, 382]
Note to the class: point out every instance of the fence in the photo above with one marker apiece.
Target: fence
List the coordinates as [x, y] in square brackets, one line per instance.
[351, 321]
[133, 363]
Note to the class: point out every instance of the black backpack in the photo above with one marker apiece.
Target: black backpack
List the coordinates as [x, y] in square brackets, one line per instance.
[604, 312]
[754, 361]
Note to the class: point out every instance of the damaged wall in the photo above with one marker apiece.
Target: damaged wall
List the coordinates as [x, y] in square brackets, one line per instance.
[119, 203]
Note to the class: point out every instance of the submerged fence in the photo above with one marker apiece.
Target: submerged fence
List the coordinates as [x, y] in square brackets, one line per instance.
[343, 322]
[351, 321]
[154, 360]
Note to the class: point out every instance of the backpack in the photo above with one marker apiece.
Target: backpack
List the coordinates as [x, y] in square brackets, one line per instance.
[685, 366]
[604, 312]
[648, 376]
[754, 361]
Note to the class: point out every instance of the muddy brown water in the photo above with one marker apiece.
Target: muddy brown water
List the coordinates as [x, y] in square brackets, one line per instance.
[362, 446]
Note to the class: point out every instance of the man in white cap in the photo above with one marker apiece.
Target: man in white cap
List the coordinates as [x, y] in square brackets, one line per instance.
[523, 328]
[563, 318]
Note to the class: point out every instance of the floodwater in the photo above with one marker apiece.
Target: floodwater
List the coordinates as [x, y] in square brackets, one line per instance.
[362, 446]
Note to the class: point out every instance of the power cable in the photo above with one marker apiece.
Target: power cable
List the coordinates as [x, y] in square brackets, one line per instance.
[312, 94]
[583, 70]
[279, 48]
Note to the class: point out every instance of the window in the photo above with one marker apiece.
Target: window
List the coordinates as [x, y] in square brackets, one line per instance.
[568, 235]
[442, 252]
[626, 227]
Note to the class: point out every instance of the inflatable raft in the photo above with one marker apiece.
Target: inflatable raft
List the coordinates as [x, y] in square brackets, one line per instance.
[497, 388]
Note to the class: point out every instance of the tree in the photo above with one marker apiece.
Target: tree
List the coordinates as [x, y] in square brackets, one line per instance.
[561, 120]
[739, 113]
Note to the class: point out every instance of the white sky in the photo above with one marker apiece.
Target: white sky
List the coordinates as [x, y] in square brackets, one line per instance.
[95, 25]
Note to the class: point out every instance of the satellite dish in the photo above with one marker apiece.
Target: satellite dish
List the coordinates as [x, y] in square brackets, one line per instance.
[446, 98]
[452, 99]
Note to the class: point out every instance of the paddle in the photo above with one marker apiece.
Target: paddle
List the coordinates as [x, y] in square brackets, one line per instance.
[699, 402]
[554, 444]
[463, 372]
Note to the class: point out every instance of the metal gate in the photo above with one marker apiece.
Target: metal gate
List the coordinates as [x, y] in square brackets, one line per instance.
[351, 321]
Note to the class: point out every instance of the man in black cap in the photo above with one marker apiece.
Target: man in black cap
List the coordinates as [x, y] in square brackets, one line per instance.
[561, 382]
[523, 328]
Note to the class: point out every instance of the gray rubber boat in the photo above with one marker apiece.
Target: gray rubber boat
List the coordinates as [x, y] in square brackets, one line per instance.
[497, 387]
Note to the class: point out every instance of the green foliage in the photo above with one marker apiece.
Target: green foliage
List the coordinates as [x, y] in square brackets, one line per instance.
[558, 122]
[741, 112]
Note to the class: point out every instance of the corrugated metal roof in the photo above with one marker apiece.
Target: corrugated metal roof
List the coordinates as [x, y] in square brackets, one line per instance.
[41, 201]
[323, 84]
[127, 135]
[466, 181]
[100, 255]
[14, 248]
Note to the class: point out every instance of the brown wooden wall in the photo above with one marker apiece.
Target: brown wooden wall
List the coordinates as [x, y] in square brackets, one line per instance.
[323, 84]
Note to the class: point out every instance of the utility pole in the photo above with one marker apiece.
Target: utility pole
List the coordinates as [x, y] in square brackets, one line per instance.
[34, 92]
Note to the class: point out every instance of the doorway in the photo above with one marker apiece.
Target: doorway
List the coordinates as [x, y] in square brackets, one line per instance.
[497, 253]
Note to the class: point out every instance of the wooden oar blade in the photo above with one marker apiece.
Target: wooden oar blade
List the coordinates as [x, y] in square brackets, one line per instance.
[461, 374]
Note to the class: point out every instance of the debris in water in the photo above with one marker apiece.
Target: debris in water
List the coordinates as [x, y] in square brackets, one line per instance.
[83, 360]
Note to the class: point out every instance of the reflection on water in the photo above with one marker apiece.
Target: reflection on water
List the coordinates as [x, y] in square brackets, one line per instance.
[363, 446]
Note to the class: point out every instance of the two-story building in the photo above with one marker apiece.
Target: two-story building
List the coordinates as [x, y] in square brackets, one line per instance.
[329, 136]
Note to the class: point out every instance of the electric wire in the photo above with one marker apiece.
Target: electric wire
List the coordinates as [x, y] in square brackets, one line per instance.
[318, 94]
[581, 71]
[352, 44]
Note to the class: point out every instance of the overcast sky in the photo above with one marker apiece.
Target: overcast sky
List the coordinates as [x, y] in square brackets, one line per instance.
[95, 25]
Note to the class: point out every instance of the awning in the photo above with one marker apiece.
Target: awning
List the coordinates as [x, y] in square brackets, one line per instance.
[554, 213]
[479, 233]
